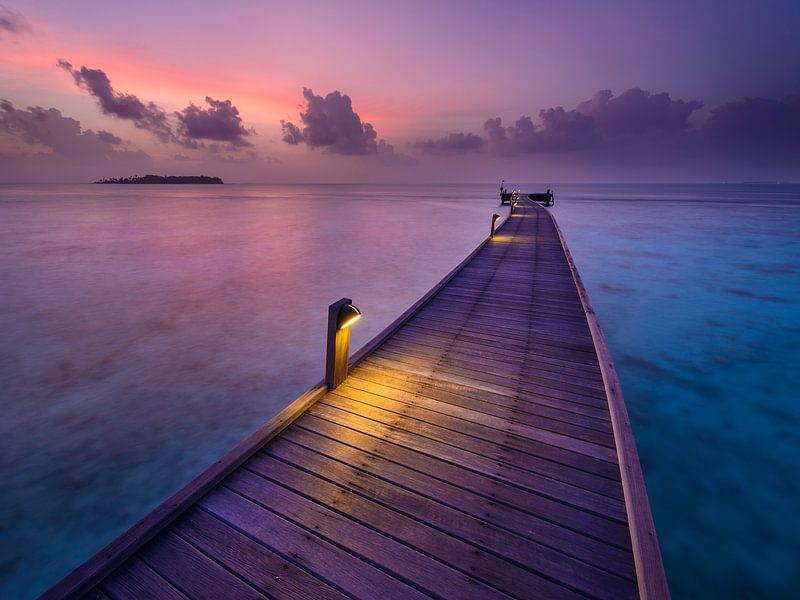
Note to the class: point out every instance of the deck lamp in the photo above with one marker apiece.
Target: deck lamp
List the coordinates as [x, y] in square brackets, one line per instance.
[341, 315]
[495, 218]
[348, 315]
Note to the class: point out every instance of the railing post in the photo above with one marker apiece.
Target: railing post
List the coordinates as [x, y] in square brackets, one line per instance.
[341, 315]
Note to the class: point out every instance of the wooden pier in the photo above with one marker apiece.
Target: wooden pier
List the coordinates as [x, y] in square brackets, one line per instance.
[480, 448]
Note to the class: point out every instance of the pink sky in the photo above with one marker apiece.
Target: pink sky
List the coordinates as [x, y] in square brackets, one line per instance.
[416, 71]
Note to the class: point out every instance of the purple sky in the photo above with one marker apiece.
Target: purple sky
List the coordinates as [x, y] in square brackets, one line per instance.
[401, 92]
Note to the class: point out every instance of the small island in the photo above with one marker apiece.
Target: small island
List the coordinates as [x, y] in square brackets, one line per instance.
[153, 179]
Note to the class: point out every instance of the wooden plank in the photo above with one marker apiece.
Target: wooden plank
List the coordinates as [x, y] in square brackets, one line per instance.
[395, 431]
[478, 391]
[135, 580]
[451, 357]
[192, 572]
[565, 540]
[647, 554]
[319, 510]
[549, 333]
[520, 356]
[499, 352]
[264, 569]
[492, 338]
[521, 410]
[430, 514]
[478, 563]
[536, 338]
[305, 549]
[560, 465]
[545, 457]
[504, 418]
[493, 488]
[486, 381]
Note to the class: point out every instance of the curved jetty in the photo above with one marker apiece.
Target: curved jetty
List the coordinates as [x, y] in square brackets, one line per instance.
[479, 448]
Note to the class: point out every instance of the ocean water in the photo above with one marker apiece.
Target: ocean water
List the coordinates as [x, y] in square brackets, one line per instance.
[147, 329]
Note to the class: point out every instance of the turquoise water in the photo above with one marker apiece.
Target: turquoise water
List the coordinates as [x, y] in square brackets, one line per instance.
[698, 293]
[145, 331]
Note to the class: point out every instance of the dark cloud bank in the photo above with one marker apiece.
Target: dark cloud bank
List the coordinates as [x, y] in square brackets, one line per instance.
[60, 146]
[331, 123]
[219, 122]
[63, 136]
[638, 123]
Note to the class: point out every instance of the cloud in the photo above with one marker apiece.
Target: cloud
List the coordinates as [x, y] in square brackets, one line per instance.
[63, 136]
[601, 121]
[108, 137]
[292, 134]
[637, 112]
[454, 143]
[386, 155]
[560, 131]
[760, 124]
[54, 147]
[331, 123]
[220, 122]
[145, 115]
[12, 22]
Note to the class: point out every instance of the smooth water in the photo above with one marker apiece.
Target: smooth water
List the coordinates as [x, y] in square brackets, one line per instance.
[147, 329]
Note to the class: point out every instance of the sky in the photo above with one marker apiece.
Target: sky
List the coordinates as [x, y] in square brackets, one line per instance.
[396, 92]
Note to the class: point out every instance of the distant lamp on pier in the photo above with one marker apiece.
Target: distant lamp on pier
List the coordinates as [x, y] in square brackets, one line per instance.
[495, 218]
[341, 315]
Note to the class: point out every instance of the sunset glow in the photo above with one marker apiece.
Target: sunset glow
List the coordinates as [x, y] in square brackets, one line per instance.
[427, 78]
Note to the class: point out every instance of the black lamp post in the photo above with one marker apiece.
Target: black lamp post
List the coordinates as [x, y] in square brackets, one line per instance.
[341, 315]
[495, 218]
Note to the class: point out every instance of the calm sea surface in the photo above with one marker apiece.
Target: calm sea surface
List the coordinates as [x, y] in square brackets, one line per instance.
[144, 330]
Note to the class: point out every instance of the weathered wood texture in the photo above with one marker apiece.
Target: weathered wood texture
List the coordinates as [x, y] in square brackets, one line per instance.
[474, 453]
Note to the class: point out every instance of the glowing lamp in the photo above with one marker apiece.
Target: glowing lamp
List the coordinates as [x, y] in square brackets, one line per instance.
[341, 315]
[347, 316]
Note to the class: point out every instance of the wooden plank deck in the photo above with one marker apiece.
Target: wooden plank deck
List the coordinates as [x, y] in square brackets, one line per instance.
[474, 451]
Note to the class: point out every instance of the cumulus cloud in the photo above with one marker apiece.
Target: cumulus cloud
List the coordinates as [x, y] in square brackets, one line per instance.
[331, 123]
[560, 131]
[641, 127]
[600, 121]
[637, 112]
[454, 143]
[220, 122]
[12, 22]
[53, 147]
[62, 135]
